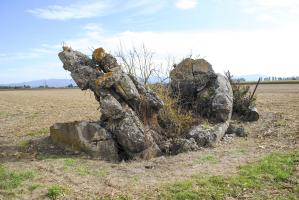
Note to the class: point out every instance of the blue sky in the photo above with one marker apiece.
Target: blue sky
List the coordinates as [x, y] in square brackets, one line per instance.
[244, 36]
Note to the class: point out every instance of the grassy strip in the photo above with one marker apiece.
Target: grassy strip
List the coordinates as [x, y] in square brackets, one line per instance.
[12, 179]
[83, 169]
[270, 178]
[4, 114]
[39, 132]
[55, 191]
[209, 158]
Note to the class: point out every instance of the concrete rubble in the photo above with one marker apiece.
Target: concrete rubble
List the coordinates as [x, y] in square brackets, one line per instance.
[128, 127]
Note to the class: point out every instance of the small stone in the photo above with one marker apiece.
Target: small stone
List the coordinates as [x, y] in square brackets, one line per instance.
[208, 136]
[76, 152]
[251, 115]
[148, 166]
[183, 145]
[236, 130]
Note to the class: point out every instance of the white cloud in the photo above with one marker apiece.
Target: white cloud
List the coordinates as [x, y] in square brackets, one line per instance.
[186, 4]
[33, 53]
[271, 52]
[73, 11]
[94, 8]
[275, 4]
[275, 11]
[33, 71]
[92, 27]
[142, 7]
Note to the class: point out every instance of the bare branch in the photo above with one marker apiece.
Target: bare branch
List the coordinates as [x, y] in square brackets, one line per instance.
[137, 62]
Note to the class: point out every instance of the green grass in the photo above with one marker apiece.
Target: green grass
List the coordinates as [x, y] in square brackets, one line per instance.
[119, 197]
[242, 151]
[211, 159]
[280, 123]
[70, 162]
[34, 186]
[239, 151]
[50, 156]
[206, 125]
[39, 132]
[10, 179]
[270, 178]
[82, 168]
[55, 191]
[23, 145]
[4, 114]
[274, 168]
[102, 172]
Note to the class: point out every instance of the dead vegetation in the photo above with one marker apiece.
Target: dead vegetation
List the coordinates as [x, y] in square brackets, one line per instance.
[243, 96]
[175, 121]
[137, 62]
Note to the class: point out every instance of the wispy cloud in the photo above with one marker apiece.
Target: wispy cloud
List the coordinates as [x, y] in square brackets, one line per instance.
[250, 51]
[92, 27]
[31, 53]
[275, 11]
[243, 56]
[186, 4]
[33, 71]
[96, 8]
[78, 10]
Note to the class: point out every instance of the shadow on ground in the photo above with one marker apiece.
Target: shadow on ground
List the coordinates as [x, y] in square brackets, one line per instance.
[35, 149]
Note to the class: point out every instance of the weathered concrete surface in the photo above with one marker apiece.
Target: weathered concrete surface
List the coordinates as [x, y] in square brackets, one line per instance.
[191, 76]
[206, 136]
[122, 101]
[88, 137]
[203, 92]
[129, 126]
[222, 101]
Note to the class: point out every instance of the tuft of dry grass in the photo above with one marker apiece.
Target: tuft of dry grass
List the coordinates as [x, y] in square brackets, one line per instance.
[177, 121]
[242, 96]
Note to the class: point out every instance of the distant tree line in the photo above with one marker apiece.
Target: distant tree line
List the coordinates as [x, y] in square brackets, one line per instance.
[41, 86]
[270, 78]
[274, 78]
[238, 79]
[15, 87]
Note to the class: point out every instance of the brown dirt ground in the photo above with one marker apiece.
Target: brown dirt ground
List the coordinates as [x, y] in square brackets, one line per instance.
[27, 114]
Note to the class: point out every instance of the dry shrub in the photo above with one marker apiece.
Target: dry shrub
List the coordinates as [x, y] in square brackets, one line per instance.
[172, 118]
[242, 96]
[137, 62]
[146, 113]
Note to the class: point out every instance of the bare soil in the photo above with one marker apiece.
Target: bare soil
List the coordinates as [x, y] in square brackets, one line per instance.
[26, 115]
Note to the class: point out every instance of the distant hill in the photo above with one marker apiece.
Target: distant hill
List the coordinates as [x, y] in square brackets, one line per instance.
[66, 82]
[48, 82]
